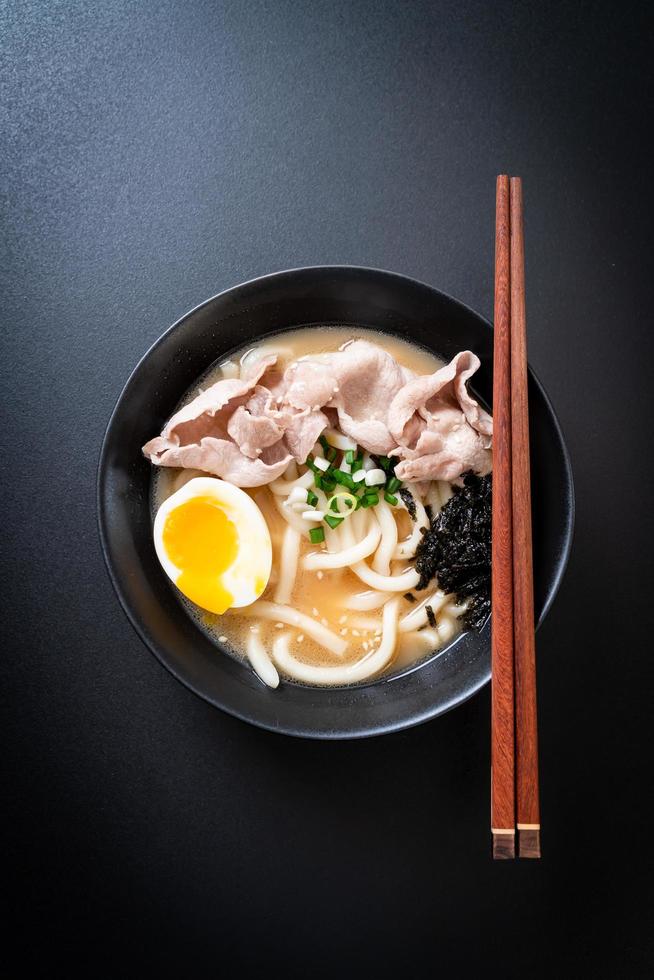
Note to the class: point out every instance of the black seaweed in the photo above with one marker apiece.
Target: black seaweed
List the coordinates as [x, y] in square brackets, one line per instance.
[409, 502]
[410, 596]
[430, 616]
[457, 549]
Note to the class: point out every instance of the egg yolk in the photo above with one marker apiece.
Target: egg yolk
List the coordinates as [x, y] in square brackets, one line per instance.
[202, 542]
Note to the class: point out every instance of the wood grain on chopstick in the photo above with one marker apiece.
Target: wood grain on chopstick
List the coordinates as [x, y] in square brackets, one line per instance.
[502, 706]
[524, 652]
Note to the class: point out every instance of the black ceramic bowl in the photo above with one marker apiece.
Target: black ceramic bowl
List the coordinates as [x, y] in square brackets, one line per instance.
[245, 314]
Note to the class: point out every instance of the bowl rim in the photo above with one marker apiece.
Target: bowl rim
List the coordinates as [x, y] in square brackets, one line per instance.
[370, 730]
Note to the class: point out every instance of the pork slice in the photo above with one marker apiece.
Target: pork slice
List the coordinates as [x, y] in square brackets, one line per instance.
[440, 430]
[301, 432]
[208, 413]
[446, 448]
[223, 458]
[368, 377]
[257, 424]
[310, 384]
[359, 382]
[426, 394]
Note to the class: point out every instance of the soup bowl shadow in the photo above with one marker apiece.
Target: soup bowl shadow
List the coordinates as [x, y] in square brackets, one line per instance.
[343, 295]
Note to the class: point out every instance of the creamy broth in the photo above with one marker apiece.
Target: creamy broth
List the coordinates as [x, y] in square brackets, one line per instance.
[325, 596]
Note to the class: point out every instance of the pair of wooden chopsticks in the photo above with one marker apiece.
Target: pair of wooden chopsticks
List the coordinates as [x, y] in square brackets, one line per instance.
[514, 740]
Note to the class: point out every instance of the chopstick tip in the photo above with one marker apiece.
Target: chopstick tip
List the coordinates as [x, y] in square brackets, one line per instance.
[529, 842]
[503, 845]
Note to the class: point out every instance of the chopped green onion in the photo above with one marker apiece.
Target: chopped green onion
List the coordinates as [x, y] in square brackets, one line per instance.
[344, 479]
[331, 454]
[350, 456]
[312, 499]
[373, 499]
[323, 442]
[317, 479]
[390, 499]
[383, 461]
[328, 484]
[348, 499]
[310, 463]
[316, 535]
[393, 484]
[332, 521]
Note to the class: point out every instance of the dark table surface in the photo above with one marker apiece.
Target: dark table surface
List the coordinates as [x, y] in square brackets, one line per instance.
[154, 154]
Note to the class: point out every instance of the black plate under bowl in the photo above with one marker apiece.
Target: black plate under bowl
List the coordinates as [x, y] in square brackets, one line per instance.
[243, 315]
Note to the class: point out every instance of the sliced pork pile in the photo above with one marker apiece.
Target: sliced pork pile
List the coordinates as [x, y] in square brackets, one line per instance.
[247, 430]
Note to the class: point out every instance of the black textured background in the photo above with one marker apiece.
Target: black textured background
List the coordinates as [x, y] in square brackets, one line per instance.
[155, 153]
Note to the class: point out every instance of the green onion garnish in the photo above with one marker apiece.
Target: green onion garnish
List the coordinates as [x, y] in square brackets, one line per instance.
[350, 456]
[344, 479]
[328, 483]
[332, 521]
[343, 497]
[312, 500]
[317, 479]
[372, 498]
[330, 452]
[393, 484]
[390, 499]
[316, 535]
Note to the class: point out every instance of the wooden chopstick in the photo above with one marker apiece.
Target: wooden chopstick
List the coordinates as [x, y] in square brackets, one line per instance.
[502, 688]
[524, 646]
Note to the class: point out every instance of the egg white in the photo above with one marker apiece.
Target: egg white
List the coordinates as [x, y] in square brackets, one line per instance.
[253, 560]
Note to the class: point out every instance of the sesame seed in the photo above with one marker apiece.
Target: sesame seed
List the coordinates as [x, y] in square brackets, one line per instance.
[300, 638]
[343, 632]
[365, 644]
[324, 621]
[343, 619]
[279, 626]
[355, 633]
[319, 574]
[314, 612]
[254, 629]
[222, 639]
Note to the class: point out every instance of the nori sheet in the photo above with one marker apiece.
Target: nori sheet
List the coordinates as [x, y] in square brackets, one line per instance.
[457, 548]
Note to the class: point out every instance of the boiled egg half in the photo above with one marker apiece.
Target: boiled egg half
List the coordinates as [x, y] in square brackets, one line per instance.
[214, 544]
